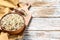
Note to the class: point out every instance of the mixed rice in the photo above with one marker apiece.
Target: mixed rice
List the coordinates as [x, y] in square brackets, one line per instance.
[12, 22]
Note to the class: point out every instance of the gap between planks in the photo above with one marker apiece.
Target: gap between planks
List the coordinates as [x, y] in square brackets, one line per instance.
[42, 30]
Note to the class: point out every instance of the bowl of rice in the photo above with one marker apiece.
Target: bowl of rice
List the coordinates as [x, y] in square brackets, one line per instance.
[13, 23]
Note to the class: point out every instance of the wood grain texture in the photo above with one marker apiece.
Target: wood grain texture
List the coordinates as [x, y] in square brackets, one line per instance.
[45, 27]
[44, 24]
[42, 35]
[51, 9]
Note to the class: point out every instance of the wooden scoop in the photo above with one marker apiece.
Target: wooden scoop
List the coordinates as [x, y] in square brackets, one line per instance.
[16, 31]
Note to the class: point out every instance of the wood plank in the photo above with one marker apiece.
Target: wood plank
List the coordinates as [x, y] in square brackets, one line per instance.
[44, 24]
[51, 9]
[37, 1]
[42, 35]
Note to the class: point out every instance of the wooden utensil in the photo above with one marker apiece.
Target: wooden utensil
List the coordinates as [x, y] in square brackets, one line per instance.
[16, 31]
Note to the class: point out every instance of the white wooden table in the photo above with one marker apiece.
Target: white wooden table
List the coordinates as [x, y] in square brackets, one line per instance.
[44, 28]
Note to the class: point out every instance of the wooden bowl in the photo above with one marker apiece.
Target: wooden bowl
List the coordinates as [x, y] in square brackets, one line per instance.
[16, 31]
